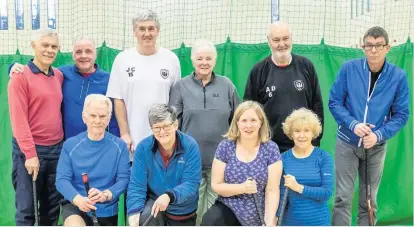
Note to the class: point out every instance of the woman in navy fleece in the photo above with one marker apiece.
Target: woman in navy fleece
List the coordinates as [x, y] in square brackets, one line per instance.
[307, 172]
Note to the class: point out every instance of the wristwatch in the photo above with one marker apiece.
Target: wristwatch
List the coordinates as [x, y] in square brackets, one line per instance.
[171, 195]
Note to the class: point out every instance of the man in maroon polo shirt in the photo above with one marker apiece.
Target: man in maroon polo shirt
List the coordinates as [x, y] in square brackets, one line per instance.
[35, 98]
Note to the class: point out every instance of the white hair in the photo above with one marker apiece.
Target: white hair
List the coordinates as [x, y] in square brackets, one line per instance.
[145, 15]
[276, 24]
[38, 34]
[84, 38]
[97, 98]
[203, 44]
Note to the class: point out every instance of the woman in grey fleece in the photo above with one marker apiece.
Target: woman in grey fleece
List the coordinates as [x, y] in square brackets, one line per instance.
[205, 103]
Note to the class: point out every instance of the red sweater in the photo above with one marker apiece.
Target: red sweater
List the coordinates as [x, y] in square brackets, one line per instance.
[34, 103]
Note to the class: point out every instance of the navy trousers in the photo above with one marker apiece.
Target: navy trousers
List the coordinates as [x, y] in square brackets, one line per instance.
[48, 197]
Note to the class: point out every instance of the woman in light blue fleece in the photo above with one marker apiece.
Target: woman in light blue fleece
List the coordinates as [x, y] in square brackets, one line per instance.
[205, 102]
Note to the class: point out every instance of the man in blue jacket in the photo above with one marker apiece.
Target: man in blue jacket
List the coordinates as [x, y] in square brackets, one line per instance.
[166, 174]
[81, 79]
[370, 102]
[104, 158]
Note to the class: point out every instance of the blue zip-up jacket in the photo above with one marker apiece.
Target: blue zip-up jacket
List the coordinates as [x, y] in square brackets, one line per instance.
[387, 108]
[151, 178]
[105, 161]
[75, 89]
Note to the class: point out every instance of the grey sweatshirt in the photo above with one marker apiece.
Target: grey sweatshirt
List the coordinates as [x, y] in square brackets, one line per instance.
[205, 112]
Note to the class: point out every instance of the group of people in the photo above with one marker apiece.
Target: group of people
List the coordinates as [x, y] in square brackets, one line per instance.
[189, 151]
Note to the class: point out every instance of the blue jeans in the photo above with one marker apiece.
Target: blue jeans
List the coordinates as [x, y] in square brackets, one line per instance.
[48, 197]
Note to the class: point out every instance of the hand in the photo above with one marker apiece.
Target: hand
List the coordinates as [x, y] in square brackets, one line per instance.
[133, 220]
[128, 140]
[160, 204]
[16, 68]
[271, 221]
[290, 182]
[96, 196]
[84, 204]
[369, 140]
[276, 220]
[32, 165]
[362, 130]
[250, 186]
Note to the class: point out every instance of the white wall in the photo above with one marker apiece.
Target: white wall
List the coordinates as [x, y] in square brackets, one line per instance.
[245, 21]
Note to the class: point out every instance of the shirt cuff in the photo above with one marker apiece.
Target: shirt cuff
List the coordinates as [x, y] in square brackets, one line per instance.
[379, 136]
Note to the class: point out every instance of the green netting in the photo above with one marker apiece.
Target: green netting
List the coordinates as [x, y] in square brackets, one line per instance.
[235, 61]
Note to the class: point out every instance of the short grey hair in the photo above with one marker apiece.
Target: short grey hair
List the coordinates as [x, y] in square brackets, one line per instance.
[97, 98]
[203, 44]
[377, 32]
[145, 15]
[276, 24]
[84, 38]
[38, 34]
[160, 113]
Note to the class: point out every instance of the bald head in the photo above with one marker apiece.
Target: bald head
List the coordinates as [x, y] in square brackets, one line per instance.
[84, 54]
[278, 26]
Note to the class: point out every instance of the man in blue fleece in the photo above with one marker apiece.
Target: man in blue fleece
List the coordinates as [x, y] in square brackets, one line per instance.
[166, 174]
[101, 155]
[81, 79]
[370, 102]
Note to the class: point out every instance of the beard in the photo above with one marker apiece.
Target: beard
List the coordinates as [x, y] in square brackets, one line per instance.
[282, 55]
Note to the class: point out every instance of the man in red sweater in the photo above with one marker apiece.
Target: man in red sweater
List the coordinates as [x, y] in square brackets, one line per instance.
[35, 98]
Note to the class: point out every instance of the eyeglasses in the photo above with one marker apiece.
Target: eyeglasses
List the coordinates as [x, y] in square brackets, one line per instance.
[377, 46]
[165, 127]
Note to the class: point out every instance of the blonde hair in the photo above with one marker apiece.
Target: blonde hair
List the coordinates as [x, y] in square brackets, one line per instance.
[300, 118]
[264, 133]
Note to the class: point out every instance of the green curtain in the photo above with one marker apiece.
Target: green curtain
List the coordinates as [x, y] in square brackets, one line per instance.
[235, 61]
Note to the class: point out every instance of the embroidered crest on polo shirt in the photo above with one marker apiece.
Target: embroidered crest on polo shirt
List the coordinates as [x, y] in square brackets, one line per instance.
[164, 73]
[130, 71]
[299, 85]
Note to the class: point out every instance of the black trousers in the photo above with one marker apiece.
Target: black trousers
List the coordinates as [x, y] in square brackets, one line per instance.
[69, 209]
[219, 215]
[162, 218]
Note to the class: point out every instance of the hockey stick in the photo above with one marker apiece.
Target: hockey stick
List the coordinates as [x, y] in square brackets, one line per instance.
[256, 203]
[368, 190]
[282, 209]
[86, 182]
[149, 219]
[35, 203]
